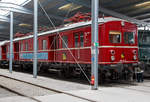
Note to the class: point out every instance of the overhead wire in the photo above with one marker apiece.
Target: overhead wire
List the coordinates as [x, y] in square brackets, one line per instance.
[64, 42]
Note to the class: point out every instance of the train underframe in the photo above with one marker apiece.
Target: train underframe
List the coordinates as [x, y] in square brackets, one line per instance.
[106, 72]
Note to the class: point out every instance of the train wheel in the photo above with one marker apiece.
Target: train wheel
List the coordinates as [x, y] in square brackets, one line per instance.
[66, 72]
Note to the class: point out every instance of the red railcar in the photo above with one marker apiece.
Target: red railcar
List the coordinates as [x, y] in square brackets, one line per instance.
[64, 47]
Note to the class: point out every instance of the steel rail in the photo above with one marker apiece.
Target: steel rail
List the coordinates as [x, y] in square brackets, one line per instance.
[50, 89]
[18, 93]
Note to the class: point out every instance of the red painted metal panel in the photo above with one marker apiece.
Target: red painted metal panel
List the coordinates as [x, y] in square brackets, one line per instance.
[82, 54]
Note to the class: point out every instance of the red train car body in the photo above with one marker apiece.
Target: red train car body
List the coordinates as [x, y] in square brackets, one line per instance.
[62, 48]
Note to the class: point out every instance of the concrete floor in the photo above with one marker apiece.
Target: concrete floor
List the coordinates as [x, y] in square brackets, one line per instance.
[24, 88]
[5, 93]
[139, 92]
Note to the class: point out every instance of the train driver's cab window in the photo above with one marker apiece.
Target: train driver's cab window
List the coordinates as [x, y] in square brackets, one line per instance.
[26, 46]
[44, 44]
[64, 41]
[115, 36]
[129, 37]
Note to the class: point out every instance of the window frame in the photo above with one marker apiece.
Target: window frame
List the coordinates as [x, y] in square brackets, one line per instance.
[133, 33]
[115, 34]
[21, 46]
[81, 33]
[78, 35]
[44, 44]
[26, 46]
[64, 40]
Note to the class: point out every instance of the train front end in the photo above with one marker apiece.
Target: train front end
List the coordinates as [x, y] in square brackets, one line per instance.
[118, 48]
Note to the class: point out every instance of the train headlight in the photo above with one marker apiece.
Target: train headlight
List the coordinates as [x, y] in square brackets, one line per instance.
[122, 23]
[112, 52]
[134, 52]
[112, 58]
[135, 57]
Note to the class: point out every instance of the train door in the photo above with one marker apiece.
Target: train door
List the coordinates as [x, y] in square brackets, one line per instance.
[78, 44]
[16, 50]
[52, 47]
[56, 46]
[4, 52]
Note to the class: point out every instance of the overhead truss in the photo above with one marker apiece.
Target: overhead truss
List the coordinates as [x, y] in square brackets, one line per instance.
[14, 8]
[4, 18]
[110, 12]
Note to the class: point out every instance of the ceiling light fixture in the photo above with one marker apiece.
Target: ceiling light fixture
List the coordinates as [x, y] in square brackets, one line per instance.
[65, 6]
[70, 5]
[24, 25]
[144, 3]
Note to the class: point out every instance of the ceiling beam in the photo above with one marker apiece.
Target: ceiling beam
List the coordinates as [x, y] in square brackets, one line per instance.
[4, 34]
[49, 9]
[46, 2]
[14, 8]
[138, 11]
[142, 15]
[146, 19]
[4, 18]
[3, 37]
[112, 3]
[110, 12]
[124, 7]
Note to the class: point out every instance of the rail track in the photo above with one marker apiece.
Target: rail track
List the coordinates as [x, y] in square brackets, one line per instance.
[35, 85]
[18, 93]
[125, 85]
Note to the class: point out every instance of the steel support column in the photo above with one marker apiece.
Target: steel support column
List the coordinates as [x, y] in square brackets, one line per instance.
[11, 42]
[35, 38]
[12, 8]
[94, 52]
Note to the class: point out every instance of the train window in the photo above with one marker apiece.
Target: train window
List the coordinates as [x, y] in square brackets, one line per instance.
[26, 46]
[129, 37]
[21, 46]
[76, 37]
[44, 44]
[81, 40]
[38, 45]
[115, 36]
[65, 41]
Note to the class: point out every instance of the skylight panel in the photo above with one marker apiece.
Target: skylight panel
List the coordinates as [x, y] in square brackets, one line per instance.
[18, 2]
